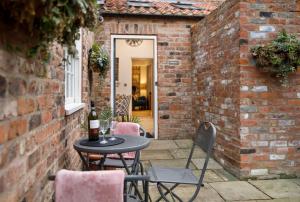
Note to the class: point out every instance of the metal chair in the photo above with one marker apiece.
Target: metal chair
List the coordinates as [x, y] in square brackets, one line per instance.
[205, 138]
[128, 196]
[117, 162]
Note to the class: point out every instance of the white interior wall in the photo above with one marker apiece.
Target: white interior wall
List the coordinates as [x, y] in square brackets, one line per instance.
[125, 53]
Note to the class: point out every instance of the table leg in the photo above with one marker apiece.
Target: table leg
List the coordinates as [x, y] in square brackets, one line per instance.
[128, 172]
[85, 163]
[101, 163]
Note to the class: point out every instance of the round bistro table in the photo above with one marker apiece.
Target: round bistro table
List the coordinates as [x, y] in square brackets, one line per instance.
[131, 144]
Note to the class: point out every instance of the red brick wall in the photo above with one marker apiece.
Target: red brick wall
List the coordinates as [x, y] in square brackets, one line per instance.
[216, 79]
[174, 81]
[270, 113]
[36, 138]
[258, 124]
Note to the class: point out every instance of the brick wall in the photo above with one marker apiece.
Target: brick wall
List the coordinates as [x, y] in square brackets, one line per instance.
[270, 113]
[216, 79]
[36, 138]
[257, 119]
[174, 68]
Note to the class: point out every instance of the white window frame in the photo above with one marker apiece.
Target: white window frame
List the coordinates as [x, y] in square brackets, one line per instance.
[73, 70]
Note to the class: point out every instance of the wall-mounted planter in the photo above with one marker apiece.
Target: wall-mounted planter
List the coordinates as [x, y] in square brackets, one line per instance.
[280, 57]
[99, 60]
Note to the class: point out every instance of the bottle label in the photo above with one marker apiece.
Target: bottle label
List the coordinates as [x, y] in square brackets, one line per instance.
[94, 124]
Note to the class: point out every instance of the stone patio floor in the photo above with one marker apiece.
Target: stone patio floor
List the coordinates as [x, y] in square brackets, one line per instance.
[219, 184]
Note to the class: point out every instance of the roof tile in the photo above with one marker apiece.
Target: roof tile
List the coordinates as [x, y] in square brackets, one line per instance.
[159, 7]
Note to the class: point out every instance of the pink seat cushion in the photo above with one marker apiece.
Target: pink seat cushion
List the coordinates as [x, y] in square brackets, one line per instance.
[91, 186]
[126, 128]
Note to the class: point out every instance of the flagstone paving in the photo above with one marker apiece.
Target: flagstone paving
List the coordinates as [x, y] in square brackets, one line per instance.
[220, 185]
[278, 188]
[238, 190]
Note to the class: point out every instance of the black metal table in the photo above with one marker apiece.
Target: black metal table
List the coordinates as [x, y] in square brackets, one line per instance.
[131, 144]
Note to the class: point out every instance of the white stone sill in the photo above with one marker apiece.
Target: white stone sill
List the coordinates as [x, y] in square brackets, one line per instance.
[73, 107]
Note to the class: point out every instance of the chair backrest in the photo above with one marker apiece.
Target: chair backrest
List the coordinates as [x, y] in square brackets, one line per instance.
[206, 135]
[74, 185]
[205, 139]
[93, 186]
[127, 128]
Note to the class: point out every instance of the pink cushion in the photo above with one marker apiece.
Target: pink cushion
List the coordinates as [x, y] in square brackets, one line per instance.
[126, 128]
[91, 186]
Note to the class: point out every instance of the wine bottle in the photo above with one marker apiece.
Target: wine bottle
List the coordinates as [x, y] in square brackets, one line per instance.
[93, 123]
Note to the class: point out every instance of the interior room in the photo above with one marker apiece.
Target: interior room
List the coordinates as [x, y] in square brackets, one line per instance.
[134, 78]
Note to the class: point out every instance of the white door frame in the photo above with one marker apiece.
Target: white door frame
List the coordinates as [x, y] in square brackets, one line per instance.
[112, 52]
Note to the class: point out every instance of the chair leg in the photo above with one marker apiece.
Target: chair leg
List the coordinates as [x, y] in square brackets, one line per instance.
[162, 196]
[142, 173]
[170, 191]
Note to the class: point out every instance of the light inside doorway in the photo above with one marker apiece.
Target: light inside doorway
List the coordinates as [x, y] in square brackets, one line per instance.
[134, 78]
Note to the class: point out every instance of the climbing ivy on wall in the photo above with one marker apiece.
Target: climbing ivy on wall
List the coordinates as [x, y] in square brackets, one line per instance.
[40, 22]
[280, 57]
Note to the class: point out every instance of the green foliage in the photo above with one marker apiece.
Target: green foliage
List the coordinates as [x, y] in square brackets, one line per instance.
[99, 59]
[280, 57]
[42, 22]
[133, 119]
[107, 113]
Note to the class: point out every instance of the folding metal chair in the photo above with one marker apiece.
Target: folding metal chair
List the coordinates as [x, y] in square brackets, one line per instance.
[135, 166]
[128, 196]
[205, 138]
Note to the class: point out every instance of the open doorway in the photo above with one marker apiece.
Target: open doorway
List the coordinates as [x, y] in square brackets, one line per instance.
[142, 90]
[134, 75]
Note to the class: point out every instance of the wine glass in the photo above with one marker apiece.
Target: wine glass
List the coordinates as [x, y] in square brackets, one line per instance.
[103, 127]
[113, 125]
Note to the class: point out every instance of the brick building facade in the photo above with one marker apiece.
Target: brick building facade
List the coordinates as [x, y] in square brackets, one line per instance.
[36, 138]
[257, 119]
[215, 79]
[174, 81]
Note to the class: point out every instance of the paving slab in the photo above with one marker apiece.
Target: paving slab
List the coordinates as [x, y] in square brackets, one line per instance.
[212, 164]
[206, 193]
[184, 153]
[185, 143]
[146, 165]
[226, 176]
[238, 190]
[272, 200]
[297, 181]
[156, 155]
[284, 188]
[281, 200]
[210, 176]
[162, 145]
[176, 163]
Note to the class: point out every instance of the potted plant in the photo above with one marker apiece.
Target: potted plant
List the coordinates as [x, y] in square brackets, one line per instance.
[44, 22]
[99, 60]
[280, 57]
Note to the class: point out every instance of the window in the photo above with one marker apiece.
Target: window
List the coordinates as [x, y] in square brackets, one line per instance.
[73, 79]
[186, 5]
[139, 3]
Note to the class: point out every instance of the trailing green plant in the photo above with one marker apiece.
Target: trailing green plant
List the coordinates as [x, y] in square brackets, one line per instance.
[280, 58]
[107, 113]
[40, 22]
[99, 59]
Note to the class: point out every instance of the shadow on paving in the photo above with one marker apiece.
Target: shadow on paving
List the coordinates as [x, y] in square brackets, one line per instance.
[220, 185]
